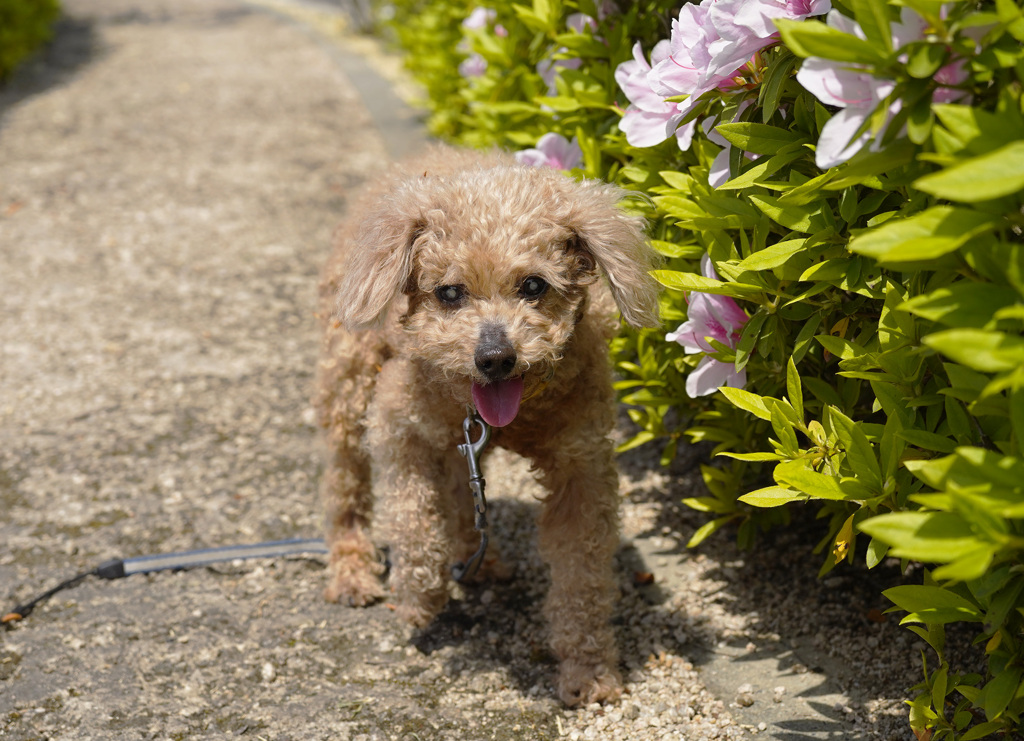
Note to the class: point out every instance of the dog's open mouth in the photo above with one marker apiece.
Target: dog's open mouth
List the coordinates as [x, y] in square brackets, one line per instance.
[498, 401]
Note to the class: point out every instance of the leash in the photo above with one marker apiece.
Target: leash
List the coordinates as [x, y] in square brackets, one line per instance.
[117, 568]
[472, 450]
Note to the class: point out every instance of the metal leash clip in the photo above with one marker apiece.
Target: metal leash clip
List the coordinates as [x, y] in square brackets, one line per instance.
[472, 450]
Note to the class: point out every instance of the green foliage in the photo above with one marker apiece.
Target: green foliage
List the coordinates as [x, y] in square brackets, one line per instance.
[884, 350]
[24, 25]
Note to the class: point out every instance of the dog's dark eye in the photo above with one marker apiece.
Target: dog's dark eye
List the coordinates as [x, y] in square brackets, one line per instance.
[533, 287]
[450, 295]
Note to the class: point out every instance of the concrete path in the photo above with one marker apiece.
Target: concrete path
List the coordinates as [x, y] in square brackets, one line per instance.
[171, 172]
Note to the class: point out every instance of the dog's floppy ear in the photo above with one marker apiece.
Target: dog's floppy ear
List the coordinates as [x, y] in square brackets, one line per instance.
[380, 259]
[616, 242]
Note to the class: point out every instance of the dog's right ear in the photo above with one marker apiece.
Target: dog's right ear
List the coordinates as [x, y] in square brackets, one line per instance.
[380, 260]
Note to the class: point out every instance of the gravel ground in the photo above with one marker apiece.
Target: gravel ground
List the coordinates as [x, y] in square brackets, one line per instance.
[171, 172]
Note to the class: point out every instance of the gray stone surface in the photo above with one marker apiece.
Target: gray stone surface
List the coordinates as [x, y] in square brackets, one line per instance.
[171, 172]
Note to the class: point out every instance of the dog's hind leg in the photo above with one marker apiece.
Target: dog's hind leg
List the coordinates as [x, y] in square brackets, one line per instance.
[346, 377]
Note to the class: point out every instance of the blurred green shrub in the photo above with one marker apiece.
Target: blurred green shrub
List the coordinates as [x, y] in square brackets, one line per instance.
[24, 25]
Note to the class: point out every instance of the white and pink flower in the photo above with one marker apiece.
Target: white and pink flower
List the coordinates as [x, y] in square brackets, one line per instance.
[553, 150]
[858, 93]
[650, 119]
[710, 47]
[710, 317]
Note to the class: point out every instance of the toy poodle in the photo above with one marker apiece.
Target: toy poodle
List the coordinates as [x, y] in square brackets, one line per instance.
[467, 281]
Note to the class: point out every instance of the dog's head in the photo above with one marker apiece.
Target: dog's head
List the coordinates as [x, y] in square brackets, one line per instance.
[496, 263]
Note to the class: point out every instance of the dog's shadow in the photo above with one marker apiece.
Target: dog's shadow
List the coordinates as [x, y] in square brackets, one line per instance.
[499, 626]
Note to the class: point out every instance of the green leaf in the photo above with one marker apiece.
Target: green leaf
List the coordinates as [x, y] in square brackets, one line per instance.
[859, 454]
[794, 388]
[675, 249]
[841, 348]
[983, 730]
[815, 39]
[748, 338]
[924, 236]
[962, 304]
[930, 604]
[759, 138]
[772, 496]
[681, 281]
[938, 537]
[641, 438]
[778, 74]
[707, 529]
[760, 170]
[924, 59]
[782, 424]
[939, 679]
[928, 440]
[873, 18]
[993, 175]
[747, 401]
[797, 475]
[996, 695]
[986, 351]
[876, 552]
[773, 255]
[708, 504]
[975, 130]
[798, 218]
[971, 565]
[1011, 15]
[678, 180]
[752, 457]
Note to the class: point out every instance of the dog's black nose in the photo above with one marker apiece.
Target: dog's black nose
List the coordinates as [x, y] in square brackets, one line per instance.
[494, 357]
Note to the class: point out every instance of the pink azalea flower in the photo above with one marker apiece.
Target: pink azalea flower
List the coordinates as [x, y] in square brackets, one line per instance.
[553, 150]
[473, 66]
[858, 93]
[479, 18]
[548, 69]
[482, 18]
[745, 27]
[580, 22]
[718, 173]
[713, 41]
[686, 69]
[649, 120]
[715, 317]
[711, 44]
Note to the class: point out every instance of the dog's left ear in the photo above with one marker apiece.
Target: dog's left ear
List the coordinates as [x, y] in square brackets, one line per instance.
[616, 242]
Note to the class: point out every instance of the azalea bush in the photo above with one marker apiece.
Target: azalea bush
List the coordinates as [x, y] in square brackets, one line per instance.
[23, 27]
[837, 190]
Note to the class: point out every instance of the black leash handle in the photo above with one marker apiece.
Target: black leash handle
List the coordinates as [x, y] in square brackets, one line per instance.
[472, 450]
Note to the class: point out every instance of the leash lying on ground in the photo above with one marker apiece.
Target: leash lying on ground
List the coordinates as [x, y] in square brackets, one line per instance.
[118, 568]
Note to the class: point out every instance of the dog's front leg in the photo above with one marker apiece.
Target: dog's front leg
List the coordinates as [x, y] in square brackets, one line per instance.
[415, 528]
[408, 445]
[579, 534]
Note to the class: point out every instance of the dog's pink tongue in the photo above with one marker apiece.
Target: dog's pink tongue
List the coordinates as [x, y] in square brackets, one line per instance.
[498, 402]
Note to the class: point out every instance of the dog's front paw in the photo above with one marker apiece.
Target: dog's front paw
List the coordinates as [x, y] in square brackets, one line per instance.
[419, 610]
[581, 683]
[354, 580]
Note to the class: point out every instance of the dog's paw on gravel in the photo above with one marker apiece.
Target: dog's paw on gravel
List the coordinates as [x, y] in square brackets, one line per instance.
[582, 684]
[354, 581]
